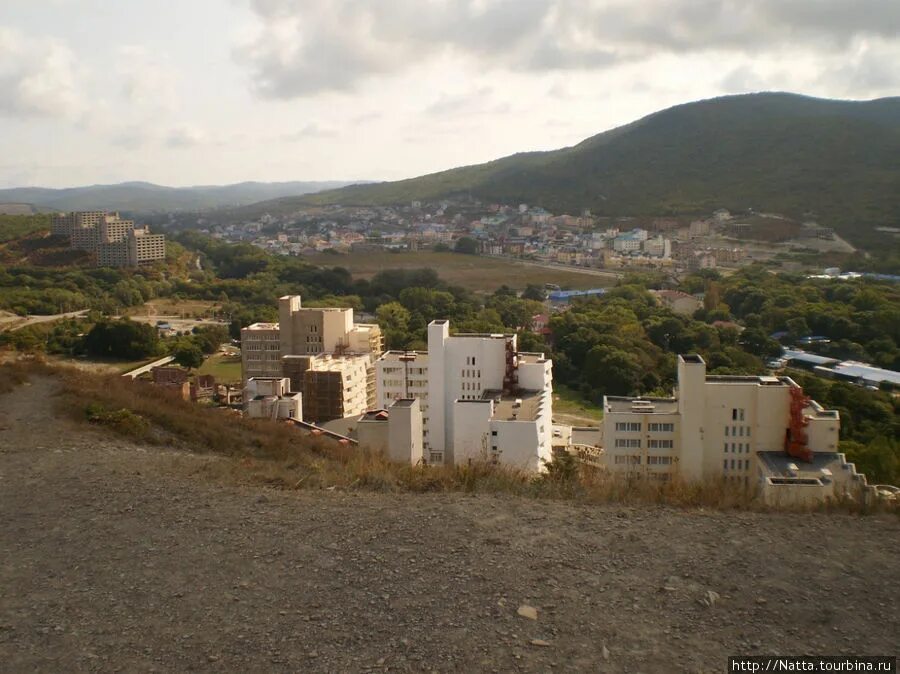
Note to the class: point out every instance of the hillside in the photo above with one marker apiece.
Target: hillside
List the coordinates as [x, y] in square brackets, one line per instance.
[147, 197]
[131, 557]
[769, 152]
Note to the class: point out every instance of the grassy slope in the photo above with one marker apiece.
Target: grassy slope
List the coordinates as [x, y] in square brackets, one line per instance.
[769, 152]
[16, 226]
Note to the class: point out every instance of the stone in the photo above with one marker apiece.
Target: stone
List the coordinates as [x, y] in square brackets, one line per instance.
[529, 612]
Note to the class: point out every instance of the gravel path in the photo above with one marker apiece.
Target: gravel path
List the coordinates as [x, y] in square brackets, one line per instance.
[116, 558]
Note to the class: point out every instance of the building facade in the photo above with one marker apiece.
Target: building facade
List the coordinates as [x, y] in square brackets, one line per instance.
[716, 427]
[480, 397]
[113, 241]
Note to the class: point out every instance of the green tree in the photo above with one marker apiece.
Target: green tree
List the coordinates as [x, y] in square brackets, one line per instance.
[466, 245]
[122, 339]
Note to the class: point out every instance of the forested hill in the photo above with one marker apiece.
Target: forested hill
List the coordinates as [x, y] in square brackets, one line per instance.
[770, 152]
[141, 197]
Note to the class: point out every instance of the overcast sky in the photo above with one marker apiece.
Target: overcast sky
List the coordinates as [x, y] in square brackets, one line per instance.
[185, 92]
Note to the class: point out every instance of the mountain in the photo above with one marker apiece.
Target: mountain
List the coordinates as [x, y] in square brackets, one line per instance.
[839, 160]
[142, 197]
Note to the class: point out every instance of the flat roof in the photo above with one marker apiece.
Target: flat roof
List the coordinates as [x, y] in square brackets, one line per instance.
[781, 465]
[531, 357]
[262, 326]
[524, 406]
[852, 368]
[627, 405]
[804, 357]
[400, 356]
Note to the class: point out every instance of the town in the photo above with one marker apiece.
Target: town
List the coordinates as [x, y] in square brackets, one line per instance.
[722, 240]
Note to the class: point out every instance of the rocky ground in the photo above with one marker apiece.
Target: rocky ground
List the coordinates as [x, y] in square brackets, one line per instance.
[122, 558]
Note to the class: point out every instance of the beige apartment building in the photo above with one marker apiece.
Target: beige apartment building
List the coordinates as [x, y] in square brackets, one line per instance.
[260, 351]
[115, 242]
[751, 431]
[322, 351]
[145, 248]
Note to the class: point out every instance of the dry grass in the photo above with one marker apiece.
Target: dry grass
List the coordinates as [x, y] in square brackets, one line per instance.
[219, 445]
[475, 272]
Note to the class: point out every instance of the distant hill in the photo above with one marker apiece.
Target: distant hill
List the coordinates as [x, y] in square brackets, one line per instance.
[839, 160]
[141, 197]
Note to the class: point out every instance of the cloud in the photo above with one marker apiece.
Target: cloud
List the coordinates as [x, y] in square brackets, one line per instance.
[39, 76]
[147, 79]
[184, 137]
[311, 130]
[303, 47]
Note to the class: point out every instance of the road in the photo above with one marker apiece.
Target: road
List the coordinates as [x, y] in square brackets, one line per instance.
[12, 322]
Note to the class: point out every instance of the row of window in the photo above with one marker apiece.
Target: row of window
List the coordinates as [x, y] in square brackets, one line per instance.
[470, 360]
[470, 373]
[737, 447]
[736, 464]
[635, 443]
[635, 426]
[636, 459]
[738, 431]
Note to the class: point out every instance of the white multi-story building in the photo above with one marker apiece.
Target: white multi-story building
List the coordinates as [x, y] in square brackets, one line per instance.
[731, 427]
[272, 398]
[480, 397]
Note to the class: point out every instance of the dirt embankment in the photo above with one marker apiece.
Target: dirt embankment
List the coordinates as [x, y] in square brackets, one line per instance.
[118, 557]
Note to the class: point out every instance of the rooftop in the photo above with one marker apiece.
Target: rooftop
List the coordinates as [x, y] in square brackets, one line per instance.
[779, 465]
[525, 406]
[401, 356]
[854, 369]
[529, 357]
[625, 405]
[262, 326]
[811, 358]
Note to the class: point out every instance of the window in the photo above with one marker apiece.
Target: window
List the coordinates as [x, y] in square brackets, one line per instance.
[634, 459]
[662, 428]
[620, 460]
[741, 414]
[726, 447]
[726, 431]
[630, 443]
[732, 464]
[724, 464]
[734, 414]
[628, 426]
[741, 431]
[661, 444]
[659, 460]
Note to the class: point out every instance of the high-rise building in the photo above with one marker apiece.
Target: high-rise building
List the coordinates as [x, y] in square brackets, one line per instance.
[113, 241]
[324, 353]
[480, 397]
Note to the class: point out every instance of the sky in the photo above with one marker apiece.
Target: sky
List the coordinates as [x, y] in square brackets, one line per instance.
[192, 92]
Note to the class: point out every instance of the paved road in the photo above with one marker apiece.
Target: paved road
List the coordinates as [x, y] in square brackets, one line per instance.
[18, 322]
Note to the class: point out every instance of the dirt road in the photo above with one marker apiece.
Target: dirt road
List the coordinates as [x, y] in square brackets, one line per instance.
[121, 558]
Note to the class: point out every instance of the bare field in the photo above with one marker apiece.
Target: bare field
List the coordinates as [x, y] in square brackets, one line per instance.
[474, 272]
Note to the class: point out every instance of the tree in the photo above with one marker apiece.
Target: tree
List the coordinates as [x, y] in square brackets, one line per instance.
[188, 355]
[534, 292]
[122, 339]
[466, 245]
